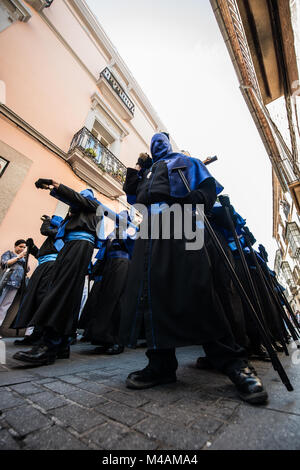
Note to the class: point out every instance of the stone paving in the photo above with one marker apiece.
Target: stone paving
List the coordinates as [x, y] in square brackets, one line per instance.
[82, 403]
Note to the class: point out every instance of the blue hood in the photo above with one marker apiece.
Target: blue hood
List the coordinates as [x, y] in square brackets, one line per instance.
[194, 170]
[89, 194]
[160, 146]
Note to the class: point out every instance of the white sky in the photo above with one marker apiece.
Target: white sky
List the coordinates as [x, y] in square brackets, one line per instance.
[176, 53]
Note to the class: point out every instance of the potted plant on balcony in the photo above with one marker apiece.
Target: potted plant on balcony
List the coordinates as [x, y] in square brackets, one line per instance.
[90, 152]
[101, 166]
[119, 176]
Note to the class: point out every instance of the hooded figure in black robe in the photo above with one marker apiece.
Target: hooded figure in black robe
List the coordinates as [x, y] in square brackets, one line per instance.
[40, 280]
[102, 312]
[59, 310]
[224, 285]
[170, 287]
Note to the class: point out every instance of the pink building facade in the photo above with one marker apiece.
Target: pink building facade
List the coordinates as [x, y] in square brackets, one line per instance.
[70, 110]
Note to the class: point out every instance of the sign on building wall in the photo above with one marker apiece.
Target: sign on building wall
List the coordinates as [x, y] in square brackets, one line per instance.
[106, 73]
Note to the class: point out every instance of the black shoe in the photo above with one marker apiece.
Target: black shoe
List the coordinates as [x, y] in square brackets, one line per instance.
[114, 349]
[248, 385]
[26, 341]
[147, 378]
[259, 353]
[39, 355]
[100, 349]
[203, 363]
[63, 353]
[84, 339]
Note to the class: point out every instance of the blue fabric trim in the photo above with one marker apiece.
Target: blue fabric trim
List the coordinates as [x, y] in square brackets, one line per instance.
[118, 254]
[131, 199]
[98, 278]
[102, 249]
[59, 244]
[46, 258]
[56, 221]
[80, 236]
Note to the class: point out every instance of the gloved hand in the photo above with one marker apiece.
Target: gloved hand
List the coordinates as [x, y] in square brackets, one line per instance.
[29, 243]
[263, 252]
[45, 217]
[31, 248]
[43, 183]
[250, 235]
[144, 161]
[225, 201]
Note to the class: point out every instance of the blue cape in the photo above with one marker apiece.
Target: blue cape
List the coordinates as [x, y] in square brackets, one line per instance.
[240, 223]
[193, 169]
[127, 239]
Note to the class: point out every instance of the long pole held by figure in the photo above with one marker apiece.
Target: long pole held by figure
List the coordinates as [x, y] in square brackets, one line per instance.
[263, 284]
[274, 358]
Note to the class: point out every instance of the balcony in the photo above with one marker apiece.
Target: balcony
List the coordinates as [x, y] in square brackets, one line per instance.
[288, 275]
[95, 164]
[293, 238]
[277, 262]
[39, 5]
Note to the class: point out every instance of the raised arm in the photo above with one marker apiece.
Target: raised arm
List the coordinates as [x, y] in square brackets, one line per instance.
[67, 195]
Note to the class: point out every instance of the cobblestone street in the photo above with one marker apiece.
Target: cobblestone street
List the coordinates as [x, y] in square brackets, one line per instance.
[82, 403]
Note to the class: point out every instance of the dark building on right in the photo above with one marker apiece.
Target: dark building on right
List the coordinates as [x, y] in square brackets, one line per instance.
[263, 41]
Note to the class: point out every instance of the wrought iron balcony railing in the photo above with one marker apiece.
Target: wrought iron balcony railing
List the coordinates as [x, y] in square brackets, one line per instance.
[277, 262]
[99, 154]
[293, 238]
[287, 273]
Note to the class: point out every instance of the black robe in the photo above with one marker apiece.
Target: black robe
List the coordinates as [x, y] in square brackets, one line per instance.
[60, 307]
[102, 312]
[40, 280]
[168, 287]
[270, 315]
[229, 296]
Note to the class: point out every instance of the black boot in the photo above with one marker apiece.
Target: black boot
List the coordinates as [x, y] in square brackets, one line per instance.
[114, 349]
[63, 352]
[160, 370]
[101, 349]
[248, 385]
[203, 363]
[40, 354]
[26, 341]
[259, 353]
